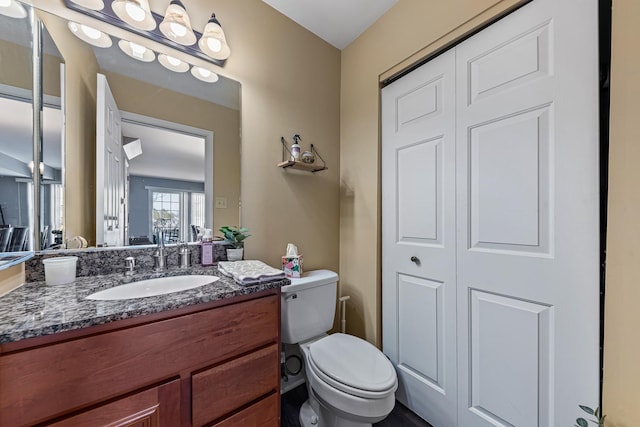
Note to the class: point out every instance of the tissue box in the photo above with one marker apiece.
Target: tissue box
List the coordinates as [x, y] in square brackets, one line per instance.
[292, 266]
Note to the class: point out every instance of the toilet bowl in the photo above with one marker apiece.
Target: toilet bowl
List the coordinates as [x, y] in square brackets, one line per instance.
[353, 382]
[350, 382]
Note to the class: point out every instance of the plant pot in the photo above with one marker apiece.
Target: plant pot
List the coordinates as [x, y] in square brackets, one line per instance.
[235, 254]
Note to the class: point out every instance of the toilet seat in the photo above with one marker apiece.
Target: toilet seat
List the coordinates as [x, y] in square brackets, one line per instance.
[353, 366]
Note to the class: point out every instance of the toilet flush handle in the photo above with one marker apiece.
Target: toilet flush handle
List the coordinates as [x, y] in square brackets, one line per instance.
[291, 297]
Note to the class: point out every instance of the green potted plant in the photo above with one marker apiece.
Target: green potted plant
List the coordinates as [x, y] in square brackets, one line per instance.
[235, 236]
[599, 418]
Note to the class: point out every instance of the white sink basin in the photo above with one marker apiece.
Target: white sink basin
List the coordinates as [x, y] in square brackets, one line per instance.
[153, 287]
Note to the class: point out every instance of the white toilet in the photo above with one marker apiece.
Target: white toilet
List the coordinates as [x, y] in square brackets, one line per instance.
[350, 382]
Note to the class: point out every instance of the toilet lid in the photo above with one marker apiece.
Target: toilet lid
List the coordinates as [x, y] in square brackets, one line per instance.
[353, 362]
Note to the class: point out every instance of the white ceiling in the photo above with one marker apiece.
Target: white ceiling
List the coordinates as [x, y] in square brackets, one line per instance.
[338, 22]
[166, 154]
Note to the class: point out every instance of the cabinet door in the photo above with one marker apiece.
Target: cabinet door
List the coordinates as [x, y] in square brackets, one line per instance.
[156, 407]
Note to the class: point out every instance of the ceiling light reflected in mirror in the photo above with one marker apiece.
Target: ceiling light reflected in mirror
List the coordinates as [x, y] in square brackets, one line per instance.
[136, 51]
[173, 64]
[90, 35]
[12, 9]
[176, 25]
[204, 75]
[135, 13]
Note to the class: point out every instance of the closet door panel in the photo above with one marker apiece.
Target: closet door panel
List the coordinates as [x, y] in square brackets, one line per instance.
[527, 217]
[418, 267]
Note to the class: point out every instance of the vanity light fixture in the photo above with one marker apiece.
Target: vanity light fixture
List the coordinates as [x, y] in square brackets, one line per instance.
[135, 13]
[173, 64]
[137, 51]
[204, 74]
[12, 9]
[176, 25]
[90, 4]
[90, 35]
[213, 41]
[173, 29]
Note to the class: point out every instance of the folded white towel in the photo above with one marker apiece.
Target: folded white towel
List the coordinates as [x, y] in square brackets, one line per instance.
[250, 272]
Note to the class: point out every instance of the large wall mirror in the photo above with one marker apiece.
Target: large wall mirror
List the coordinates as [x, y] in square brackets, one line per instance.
[129, 147]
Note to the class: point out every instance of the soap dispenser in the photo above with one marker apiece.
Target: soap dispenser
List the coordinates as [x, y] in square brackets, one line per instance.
[295, 148]
[207, 247]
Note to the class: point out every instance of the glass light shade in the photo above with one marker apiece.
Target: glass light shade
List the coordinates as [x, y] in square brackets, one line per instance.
[176, 25]
[90, 4]
[173, 64]
[135, 13]
[213, 41]
[90, 35]
[137, 51]
[12, 9]
[204, 74]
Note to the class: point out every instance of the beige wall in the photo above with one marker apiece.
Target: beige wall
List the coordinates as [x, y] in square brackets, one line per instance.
[80, 110]
[622, 317]
[16, 65]
[290, 84]
[410, 30]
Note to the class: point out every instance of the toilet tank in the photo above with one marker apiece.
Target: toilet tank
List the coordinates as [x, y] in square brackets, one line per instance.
[308, 305]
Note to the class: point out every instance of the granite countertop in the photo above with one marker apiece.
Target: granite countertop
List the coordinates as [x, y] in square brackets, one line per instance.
[35, 309]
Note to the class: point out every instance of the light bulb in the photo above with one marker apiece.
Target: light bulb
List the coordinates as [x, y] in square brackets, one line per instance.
[214, 44]
[204, 72]
[137, 50]
[90, 32]
[135, 12]
[173, 61]
[5, 3]
[178, 29]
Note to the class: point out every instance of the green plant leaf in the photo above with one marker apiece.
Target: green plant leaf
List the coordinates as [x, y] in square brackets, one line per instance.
[586, 409]
[582, 422]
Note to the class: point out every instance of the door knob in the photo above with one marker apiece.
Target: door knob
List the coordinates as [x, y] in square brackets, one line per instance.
[415, 259]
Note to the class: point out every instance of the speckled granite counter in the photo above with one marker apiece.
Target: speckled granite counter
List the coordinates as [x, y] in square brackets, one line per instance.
[36, 309]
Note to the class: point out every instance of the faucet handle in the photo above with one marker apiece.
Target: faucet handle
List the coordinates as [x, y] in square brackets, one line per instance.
[129, 264]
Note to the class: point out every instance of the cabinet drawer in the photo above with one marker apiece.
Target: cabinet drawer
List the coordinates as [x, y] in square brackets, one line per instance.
[227, 387]
[261, 414]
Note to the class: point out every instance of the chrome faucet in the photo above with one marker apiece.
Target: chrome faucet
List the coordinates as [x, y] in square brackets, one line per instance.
[129, 265]
[184, 256]
[159, 255]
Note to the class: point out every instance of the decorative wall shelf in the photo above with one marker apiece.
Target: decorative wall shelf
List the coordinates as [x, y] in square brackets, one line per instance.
[287, 161]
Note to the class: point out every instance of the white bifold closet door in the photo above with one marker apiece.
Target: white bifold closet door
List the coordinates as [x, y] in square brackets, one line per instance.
[490, 183]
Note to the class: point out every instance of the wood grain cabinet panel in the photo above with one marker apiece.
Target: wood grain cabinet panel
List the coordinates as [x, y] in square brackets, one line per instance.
[159, 406]
[227, 387]
[265, 413]
[60, 379]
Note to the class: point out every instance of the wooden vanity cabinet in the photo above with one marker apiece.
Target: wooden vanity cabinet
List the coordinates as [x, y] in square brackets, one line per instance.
[211, 364]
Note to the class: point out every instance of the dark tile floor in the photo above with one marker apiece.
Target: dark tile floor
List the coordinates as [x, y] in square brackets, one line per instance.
[293, 400]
